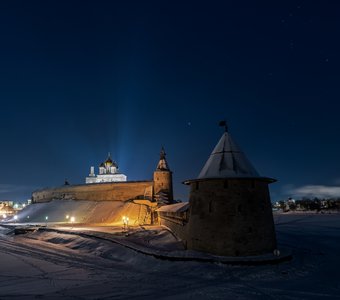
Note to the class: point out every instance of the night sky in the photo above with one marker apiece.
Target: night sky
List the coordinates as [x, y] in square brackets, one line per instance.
[79, 79]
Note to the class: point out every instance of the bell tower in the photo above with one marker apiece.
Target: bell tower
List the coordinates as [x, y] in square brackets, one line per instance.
[162, 181]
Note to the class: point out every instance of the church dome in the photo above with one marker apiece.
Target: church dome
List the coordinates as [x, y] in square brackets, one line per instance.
[114, 164]
[109, 162]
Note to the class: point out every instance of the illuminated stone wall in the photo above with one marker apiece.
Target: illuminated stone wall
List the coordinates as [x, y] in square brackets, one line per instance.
[118, 191]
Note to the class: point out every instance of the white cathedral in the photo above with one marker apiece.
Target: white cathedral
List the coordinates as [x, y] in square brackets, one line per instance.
[108, 172]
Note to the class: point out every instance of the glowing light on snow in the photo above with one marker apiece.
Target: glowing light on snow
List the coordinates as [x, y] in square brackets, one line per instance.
[126, 222]
[72, 219]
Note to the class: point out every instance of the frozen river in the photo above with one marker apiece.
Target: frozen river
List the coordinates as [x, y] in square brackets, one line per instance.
[52, 265]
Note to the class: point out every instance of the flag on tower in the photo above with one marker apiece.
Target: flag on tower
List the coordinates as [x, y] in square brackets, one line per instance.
[224, 124]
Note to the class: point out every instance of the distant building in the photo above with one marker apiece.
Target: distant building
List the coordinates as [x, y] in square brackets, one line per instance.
[7, 202]
[108, 172]
[6, 208]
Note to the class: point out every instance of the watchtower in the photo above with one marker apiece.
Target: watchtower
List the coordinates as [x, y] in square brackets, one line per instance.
[162, 178]
[230, 209]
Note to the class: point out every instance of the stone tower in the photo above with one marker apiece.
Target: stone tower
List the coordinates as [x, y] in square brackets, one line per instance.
[162, 178]
[230, 209]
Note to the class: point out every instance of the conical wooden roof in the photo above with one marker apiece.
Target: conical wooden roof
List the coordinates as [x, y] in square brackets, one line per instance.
[162, 164]
[227, 161]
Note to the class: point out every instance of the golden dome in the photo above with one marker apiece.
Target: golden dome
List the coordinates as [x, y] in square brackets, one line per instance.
[110, 163]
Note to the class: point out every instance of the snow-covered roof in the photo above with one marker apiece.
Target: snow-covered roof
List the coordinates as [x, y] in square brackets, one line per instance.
[178, 207]
[227, 160]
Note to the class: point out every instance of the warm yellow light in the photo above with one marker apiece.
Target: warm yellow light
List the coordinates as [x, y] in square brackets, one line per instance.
[125, 221]
[72, 219]
[67, 217]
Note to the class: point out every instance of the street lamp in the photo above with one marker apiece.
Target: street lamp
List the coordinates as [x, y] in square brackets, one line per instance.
[126, 223]
[72, 219]
[46, 218]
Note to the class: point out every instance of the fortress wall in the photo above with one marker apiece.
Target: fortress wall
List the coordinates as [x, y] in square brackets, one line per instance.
[117, 191]
[178, 229]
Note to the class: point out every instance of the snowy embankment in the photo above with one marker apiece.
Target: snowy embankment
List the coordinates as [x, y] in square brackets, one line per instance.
[89, 212]
[54, 265]
[110, 213]
[154, 241]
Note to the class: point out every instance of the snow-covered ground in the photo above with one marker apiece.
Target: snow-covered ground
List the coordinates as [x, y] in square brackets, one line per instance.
[48, 264]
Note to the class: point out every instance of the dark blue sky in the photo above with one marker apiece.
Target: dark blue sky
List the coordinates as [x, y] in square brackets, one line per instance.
[81, 78]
